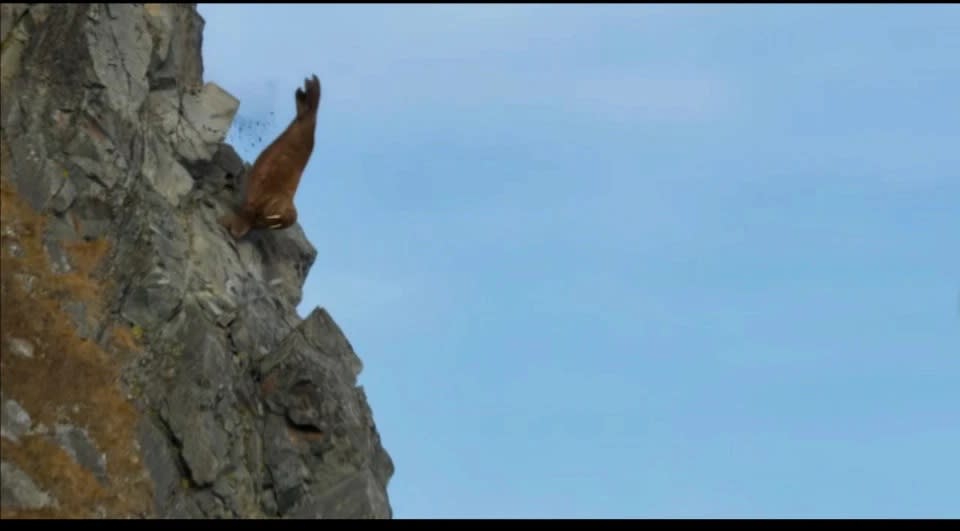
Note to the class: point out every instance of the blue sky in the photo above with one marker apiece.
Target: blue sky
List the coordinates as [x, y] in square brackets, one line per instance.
[616, 261]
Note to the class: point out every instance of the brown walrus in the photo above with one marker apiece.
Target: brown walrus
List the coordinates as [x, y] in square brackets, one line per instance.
[276, 173]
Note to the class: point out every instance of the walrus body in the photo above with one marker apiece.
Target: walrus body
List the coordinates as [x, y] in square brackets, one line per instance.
[276, 173]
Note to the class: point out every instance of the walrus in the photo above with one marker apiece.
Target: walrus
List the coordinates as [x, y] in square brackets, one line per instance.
[275, 175]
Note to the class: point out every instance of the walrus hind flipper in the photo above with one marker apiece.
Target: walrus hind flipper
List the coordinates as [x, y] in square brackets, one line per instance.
[308, 97]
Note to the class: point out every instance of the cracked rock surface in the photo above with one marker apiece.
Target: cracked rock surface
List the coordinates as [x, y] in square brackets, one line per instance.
[247, 409]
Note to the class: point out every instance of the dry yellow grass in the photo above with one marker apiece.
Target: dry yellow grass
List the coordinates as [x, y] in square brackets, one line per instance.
[69, 379]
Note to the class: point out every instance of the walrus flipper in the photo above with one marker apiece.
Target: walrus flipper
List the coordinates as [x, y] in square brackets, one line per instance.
[237, 223]
[308, 98]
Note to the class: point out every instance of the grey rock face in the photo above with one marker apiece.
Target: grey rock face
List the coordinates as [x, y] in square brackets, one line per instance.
[20, 347]
[247, 410]
[14, 420]
[17, 489]
[320, 427]
[76, 442]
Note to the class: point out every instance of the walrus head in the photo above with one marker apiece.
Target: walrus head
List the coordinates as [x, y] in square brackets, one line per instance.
[279, 213]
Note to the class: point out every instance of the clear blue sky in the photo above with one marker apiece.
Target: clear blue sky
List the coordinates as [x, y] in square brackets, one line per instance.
[633, 261]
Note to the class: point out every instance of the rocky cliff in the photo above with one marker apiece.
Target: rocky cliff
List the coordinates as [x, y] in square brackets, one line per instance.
[151, 366]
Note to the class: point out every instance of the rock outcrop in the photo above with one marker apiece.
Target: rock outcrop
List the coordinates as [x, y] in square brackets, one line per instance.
[244, 408]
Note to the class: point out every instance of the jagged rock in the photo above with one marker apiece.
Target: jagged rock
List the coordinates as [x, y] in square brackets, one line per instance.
[359, 495]
[167, 176]
[14, 421]
[9, 15]
[177, 30]
[58, 230]
[120, 48]
[286, 273]
[162, 463]
[197, 123]
[94, 217]
[20, 347]
[204, 447]
[78, 445]
[18, 490]
[247, 410]
[229, 161]
[310, 387]
[12, 25]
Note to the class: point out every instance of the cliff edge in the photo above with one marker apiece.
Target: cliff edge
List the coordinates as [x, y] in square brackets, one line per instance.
[150, 365]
